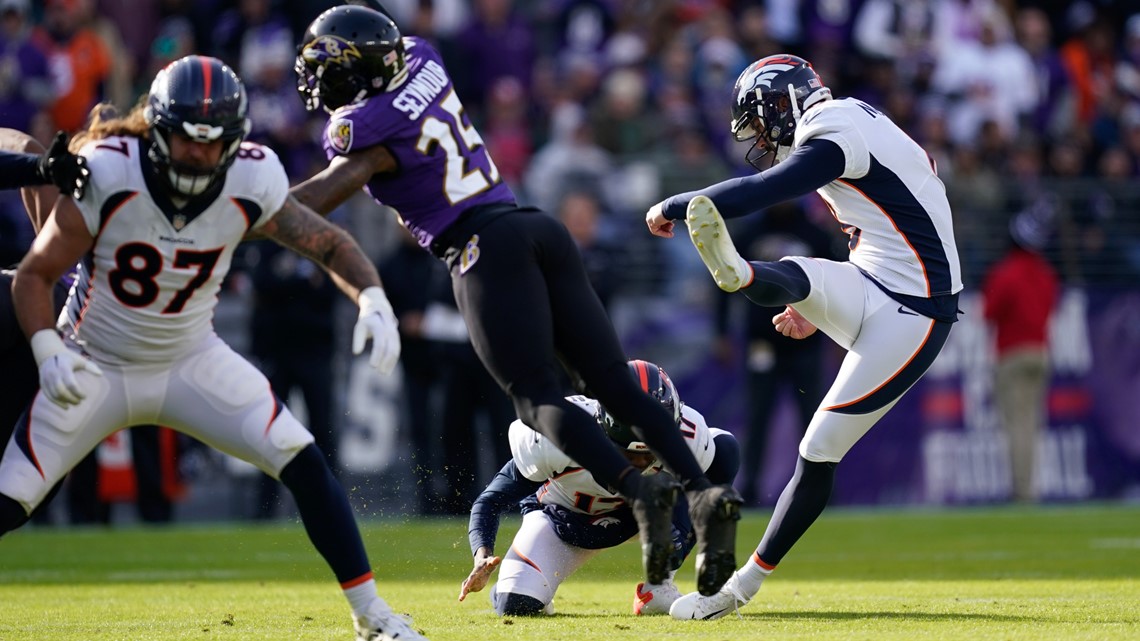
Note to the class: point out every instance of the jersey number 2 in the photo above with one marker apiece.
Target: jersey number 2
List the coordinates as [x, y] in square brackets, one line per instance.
[140, 264]
[458, 183]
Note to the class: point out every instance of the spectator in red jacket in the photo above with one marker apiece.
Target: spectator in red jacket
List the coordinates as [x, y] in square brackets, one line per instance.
[1020, 293]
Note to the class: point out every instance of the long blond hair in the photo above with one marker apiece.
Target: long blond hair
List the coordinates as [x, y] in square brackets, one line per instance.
[105, 121]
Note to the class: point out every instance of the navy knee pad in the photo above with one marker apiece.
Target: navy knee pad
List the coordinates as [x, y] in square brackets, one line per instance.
[518, 605]
[12, 515]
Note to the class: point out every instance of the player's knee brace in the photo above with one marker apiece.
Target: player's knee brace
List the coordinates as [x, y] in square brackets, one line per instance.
[12, 515]
[518, 605]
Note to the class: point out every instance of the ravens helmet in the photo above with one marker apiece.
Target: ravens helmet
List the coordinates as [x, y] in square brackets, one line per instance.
[371, 4]
[654, 381]
[769, 98]
[201, 98]
[348, 53]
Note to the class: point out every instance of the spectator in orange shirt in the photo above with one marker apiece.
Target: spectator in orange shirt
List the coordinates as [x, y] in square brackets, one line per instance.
[1020, 292]
[80, 61]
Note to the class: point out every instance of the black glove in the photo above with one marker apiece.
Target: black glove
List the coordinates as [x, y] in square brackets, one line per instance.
[64, 169]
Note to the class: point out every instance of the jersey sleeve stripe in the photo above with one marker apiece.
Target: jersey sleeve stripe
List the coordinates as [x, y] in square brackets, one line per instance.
[249, 209]
[901, 380]
[113, 204]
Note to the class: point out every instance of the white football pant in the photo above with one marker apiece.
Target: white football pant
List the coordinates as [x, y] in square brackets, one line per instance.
[882, 339]
[538, 561]
[213, 395]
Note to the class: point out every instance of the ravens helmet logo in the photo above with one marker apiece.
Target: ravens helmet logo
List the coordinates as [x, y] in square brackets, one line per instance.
[326, 50]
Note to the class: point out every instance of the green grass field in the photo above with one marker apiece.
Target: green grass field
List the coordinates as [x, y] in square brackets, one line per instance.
[1064, 573]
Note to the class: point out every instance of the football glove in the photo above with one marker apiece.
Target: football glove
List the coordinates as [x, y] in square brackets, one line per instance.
[378, 322]
[58, 366]
[65, 170]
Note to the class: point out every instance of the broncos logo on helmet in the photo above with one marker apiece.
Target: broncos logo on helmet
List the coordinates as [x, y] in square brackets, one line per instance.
[769, 99]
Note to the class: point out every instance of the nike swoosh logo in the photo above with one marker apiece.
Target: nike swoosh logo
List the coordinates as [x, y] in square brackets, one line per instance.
[713, 614]
[903, 310]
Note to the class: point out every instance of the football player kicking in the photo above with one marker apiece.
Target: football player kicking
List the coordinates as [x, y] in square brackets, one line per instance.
[398, 128]
[568, 517]
[173, 190]
[891, 305]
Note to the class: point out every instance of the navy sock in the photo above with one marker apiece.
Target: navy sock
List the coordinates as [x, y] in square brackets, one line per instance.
[326, 513]
[801, 502]
[776, 283]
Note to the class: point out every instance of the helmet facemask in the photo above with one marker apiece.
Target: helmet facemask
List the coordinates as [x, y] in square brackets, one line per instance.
[348, 54]
[200, 99]
[326, 85]
[771, 98]
[182, 178]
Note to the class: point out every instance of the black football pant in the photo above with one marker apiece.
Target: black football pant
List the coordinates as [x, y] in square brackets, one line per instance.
[520, 284]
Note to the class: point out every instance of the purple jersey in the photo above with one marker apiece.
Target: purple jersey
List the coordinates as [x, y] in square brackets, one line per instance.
[444, 168]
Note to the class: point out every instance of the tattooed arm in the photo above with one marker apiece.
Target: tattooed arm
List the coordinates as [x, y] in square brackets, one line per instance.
[344, 176]
[299, 228]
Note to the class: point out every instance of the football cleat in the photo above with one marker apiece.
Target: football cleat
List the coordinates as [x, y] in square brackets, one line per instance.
[714, 512]
[698, 606]
[380, 623]
[653, 509]
[710, 236]
[655, 599]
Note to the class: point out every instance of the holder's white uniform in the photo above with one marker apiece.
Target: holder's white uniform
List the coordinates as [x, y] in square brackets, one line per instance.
[142, 308]
[538, 561]
[892, 203]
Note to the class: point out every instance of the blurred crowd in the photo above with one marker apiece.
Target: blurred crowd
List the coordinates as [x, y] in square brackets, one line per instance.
[603, 107]
[596, 109]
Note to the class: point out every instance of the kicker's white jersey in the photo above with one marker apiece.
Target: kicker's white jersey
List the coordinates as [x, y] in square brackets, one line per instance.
[889, 199]
[147, 290]
[568, 484]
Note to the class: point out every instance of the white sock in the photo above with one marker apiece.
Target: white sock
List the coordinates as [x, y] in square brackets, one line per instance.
[749, 577]
[362, 596]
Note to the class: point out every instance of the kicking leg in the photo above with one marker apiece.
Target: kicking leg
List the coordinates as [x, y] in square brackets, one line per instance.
[218, 397]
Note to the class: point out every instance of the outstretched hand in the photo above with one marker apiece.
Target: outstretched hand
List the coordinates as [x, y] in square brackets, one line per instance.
[64, 169]
[792, 324]
[485, 564]
[657, 223]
